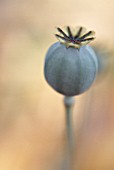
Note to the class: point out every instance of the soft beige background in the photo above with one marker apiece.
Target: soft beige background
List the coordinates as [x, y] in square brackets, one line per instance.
[32, 118]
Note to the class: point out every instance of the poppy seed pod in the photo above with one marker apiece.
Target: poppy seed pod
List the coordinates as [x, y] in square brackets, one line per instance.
[70, 67]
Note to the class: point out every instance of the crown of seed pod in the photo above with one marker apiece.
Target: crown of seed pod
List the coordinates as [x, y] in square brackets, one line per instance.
[71, 65]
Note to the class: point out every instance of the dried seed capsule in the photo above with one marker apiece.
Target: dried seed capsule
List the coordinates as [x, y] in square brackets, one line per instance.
[70, 71]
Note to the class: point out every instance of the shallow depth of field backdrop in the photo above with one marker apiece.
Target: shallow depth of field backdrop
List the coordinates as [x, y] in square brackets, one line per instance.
[32, 118]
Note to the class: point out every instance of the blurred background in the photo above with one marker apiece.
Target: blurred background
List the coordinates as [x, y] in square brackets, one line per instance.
[32, 115]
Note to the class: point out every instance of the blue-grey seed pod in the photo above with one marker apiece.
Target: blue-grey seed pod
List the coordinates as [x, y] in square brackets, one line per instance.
[70, 71]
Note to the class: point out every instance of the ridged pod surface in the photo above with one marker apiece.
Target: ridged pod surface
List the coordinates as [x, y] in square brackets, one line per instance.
[70, 71]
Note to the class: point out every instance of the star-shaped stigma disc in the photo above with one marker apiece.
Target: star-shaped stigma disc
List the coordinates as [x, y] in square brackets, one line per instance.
[75, 38]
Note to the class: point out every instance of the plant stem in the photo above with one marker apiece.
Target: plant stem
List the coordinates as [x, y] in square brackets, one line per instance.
[69, 102]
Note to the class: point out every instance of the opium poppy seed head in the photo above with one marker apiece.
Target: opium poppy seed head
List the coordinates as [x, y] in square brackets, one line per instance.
[71, 65]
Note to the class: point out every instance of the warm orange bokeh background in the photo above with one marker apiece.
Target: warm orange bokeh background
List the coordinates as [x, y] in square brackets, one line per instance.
[32, 118]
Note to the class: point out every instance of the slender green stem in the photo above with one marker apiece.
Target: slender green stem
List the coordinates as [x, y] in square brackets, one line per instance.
[69, 102]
